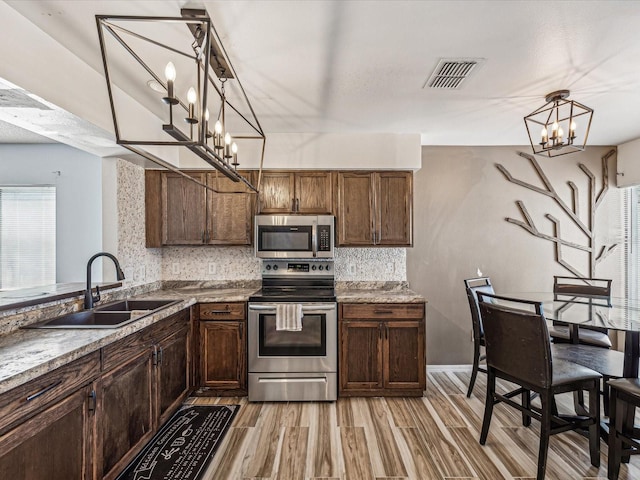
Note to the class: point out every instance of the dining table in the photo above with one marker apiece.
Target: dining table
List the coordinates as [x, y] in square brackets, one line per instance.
[613, 313]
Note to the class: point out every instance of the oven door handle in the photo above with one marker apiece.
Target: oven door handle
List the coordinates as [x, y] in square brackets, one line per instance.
[305, 309]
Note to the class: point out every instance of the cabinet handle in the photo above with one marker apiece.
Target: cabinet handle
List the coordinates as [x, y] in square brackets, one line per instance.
[160, 355]
[380, 331]
[297, 205]
[92, 401]
[386, 312]
[218, 312]
[155, 356]
[44, 390]
[241, 330]
[203, 234]
[386, 332]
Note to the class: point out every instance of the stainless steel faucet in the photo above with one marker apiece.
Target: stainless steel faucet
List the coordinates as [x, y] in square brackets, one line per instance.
[89, 298]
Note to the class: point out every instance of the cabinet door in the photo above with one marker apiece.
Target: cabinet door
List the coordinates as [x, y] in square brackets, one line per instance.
[404, 365]
[277, 192]
[184, 210]
[313, 192]
[355, 212]
[126, 413]
[230, 215]
[394, 208]
[173, 372]
[360, 356]
[55, 444]
[223, 355]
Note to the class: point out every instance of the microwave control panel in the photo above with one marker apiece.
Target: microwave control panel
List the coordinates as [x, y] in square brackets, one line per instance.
[324, 238]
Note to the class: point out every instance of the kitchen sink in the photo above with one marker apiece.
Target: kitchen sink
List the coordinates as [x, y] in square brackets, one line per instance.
[130, 305]
[110, 315]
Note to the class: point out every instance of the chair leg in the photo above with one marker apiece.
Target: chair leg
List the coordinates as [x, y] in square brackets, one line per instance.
[615, 444]
[488, 406]
[526, 403]
[605, 394]
[627, 412]
[474, 372]
[546, 399]
[594, 430]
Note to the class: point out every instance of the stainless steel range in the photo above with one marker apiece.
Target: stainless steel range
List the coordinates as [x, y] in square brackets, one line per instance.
[294, 365]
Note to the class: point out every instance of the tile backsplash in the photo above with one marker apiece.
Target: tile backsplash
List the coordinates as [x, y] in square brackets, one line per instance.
[221, 263]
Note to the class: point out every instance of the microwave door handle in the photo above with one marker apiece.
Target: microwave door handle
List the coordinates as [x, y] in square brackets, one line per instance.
[314, 238]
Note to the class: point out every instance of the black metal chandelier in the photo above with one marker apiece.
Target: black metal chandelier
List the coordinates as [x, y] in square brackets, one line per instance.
[560, 126]
[194, 104]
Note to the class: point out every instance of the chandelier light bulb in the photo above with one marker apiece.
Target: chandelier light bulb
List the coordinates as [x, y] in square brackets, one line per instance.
[227, 139]
[217, 127]
[206, 114]
[544, 135]
[170, 72]
[191, 96]
[572, 129]
[554, 129]
[234, 148]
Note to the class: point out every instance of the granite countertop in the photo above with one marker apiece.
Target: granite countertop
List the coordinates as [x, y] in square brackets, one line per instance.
[376, 292]
[28, 353]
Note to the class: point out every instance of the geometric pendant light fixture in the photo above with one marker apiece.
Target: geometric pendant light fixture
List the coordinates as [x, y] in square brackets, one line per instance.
[560, 126]
[179, 71]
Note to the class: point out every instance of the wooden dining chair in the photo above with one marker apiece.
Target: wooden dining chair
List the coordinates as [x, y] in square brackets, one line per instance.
[518, 350]
[624, 437]
[581, 289]
[472, 287]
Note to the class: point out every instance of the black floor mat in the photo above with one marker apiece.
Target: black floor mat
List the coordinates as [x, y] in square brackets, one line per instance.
[183, 447]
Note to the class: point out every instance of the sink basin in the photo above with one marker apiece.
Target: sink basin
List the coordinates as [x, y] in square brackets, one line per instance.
[130, 305]
[87, 319]
[110, 315]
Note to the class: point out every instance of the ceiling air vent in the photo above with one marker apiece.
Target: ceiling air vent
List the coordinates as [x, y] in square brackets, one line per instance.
[451, 72]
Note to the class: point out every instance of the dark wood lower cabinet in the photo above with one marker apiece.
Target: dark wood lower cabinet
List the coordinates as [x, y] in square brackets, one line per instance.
[125, 403]
[382, 350]
[173, 373]
[86, 420]
[223, 351]
[146, 379]
[55, 444]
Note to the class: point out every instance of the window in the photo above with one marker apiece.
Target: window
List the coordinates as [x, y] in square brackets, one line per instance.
[632, 243]
[27, 236]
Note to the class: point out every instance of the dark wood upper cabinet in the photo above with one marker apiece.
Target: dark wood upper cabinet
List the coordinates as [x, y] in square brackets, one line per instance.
[375, 208]
[181, 212]
[296, 192]
[184, 207]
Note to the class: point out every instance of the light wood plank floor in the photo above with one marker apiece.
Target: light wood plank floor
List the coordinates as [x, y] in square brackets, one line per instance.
[434, 437]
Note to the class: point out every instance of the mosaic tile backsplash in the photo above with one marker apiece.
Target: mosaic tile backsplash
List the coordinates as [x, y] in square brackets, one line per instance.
[221, 263]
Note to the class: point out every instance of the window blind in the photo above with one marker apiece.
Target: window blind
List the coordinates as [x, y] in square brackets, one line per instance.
[27, 236]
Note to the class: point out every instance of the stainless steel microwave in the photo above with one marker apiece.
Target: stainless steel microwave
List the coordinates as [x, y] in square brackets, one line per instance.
[294, 236]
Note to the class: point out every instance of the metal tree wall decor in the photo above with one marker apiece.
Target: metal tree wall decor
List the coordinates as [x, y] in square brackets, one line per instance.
[587, 227]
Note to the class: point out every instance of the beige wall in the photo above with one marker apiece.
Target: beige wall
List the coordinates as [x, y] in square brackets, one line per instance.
[461, 201]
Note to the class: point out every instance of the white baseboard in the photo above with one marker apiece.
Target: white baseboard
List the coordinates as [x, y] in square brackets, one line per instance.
[449, 368]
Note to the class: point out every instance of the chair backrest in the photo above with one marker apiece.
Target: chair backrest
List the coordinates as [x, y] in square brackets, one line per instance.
[473, 286]
[582, 286]
[516, 338]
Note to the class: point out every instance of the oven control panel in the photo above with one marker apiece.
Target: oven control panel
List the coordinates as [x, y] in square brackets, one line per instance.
[297, 268]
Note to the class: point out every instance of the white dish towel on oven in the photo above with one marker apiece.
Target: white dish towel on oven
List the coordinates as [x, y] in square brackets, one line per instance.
[289, 317]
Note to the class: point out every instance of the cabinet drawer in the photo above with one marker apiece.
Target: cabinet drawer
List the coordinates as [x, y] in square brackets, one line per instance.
[392, 311]
[222, 311]
[131, 346]
[23, 401]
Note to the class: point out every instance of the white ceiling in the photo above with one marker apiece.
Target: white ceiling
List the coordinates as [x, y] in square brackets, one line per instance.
[360, 66]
